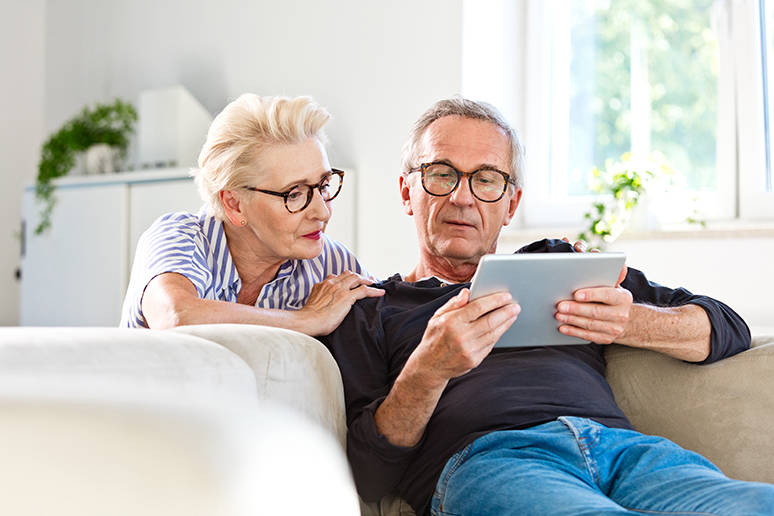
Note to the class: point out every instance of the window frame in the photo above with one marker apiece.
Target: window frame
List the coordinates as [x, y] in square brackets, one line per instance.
[748, 22]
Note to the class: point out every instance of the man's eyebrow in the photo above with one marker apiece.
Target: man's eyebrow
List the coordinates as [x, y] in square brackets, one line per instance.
[478, 167]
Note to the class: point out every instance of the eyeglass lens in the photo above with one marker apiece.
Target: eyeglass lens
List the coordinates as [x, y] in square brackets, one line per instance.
[487, 185]
[300, 196]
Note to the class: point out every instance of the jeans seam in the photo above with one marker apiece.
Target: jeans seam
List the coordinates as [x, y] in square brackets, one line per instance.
[460, 458]
[671, 513]
[585, 450]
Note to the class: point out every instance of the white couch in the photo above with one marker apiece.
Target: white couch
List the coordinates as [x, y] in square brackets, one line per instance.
[205, 420]
[232, 419]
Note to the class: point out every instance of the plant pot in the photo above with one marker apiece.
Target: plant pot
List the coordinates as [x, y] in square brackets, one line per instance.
[102, 158]
[643, 216]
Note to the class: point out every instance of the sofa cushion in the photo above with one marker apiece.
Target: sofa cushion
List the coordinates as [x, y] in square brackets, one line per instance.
[724, 411]
[119, 364]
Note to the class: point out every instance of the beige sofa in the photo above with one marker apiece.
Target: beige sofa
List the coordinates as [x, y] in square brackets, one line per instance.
[231, 419]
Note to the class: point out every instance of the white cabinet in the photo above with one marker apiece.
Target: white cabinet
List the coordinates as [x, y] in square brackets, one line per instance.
[76, 273]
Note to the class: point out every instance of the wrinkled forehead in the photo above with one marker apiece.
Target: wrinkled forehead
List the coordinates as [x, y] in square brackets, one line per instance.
[466, 143]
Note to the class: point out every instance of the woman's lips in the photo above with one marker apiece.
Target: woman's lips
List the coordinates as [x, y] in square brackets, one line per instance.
[316, 235]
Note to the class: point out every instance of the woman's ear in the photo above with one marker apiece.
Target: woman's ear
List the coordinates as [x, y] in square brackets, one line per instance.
[232, 205]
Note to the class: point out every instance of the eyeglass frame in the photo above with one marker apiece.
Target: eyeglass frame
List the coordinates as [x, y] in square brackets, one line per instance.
[460, 175]
[285, 195]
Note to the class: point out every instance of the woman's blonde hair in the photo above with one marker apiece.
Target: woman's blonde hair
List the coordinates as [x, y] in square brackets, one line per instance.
[231, 156]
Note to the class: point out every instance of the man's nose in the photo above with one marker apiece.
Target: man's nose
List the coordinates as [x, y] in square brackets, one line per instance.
[462, 195]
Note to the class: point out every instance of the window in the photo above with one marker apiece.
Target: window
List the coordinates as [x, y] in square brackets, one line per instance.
[604, 77]
[634, 76]
[751, 35]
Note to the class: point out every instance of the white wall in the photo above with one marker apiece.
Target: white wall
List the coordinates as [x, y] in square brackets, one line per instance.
[22, 40]
[375, 65]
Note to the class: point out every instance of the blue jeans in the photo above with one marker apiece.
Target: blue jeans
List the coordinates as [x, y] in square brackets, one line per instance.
[578, 467]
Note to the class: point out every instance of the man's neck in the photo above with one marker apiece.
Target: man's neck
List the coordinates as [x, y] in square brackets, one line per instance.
[451, 271]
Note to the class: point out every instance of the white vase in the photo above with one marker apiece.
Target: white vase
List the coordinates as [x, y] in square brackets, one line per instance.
[643, 217]
[102, 158]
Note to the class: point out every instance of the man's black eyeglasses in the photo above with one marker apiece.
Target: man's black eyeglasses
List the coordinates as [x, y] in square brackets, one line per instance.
[441, 179]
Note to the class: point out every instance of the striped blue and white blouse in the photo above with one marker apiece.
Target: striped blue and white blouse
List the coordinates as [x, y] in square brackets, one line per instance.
[195, 246]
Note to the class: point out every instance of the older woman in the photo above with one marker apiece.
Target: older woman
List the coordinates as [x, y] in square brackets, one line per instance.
[256, 253]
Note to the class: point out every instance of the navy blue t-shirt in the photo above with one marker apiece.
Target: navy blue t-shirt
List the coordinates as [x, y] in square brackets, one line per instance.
[512, 389]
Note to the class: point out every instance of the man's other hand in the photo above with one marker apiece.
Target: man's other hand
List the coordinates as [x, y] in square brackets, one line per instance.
[461, 334]
[598, 315]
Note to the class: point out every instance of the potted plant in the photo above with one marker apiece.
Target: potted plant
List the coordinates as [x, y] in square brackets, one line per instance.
[621, 187]
[109, 124]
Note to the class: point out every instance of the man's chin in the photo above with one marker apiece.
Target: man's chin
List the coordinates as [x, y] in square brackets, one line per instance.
[460, 250]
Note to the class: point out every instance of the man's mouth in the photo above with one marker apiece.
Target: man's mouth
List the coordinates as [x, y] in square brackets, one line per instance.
[459, 223]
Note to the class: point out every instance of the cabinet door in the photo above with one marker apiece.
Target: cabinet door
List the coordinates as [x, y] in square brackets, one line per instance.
[149, 201]
[72, 275]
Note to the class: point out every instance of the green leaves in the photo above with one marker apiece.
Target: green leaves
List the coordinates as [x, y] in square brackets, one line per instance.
[624, 183]
[111, 124]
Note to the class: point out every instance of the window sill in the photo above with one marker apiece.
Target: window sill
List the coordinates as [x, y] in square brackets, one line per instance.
[713, 230]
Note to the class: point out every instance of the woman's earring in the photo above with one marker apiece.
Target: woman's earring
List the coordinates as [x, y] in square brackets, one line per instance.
[244, 222]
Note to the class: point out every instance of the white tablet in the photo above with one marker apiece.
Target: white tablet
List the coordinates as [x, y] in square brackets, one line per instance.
[538, 282]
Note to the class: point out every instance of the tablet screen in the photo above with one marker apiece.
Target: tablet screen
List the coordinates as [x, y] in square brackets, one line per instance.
[538, 282]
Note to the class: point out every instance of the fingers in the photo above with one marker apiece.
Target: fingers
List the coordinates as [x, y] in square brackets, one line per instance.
[487, 317]
[606, 295]
[580, 246]
[349, 279]
[461, 334]
[599, 315]
[455, 303]
[365, 291]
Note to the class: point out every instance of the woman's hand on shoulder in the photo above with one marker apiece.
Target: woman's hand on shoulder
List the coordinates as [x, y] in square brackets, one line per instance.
[331, 299]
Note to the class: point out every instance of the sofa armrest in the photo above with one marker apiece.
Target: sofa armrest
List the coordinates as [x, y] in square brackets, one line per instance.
[290, 367]
[724, 411]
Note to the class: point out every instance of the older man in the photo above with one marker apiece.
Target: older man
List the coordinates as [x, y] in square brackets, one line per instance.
[439, 417]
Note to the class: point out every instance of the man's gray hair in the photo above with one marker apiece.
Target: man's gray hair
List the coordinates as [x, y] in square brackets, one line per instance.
[476, 110]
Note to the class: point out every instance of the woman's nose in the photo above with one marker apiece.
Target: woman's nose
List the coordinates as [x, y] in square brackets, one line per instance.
[318, 208]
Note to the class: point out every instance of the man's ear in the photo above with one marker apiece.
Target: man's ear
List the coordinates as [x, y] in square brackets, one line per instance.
[513, 203]
[405, 195]
[232, 205]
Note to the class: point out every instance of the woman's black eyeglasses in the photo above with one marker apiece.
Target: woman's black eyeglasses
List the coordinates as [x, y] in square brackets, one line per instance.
[300, 196]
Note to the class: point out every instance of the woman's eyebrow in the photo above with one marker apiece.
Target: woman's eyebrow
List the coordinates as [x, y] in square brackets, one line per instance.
[293, 184]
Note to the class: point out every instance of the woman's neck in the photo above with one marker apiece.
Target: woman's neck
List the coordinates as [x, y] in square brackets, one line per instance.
[254, 270]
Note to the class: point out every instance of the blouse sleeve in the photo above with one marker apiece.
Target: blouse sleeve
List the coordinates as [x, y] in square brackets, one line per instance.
[172, 244]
